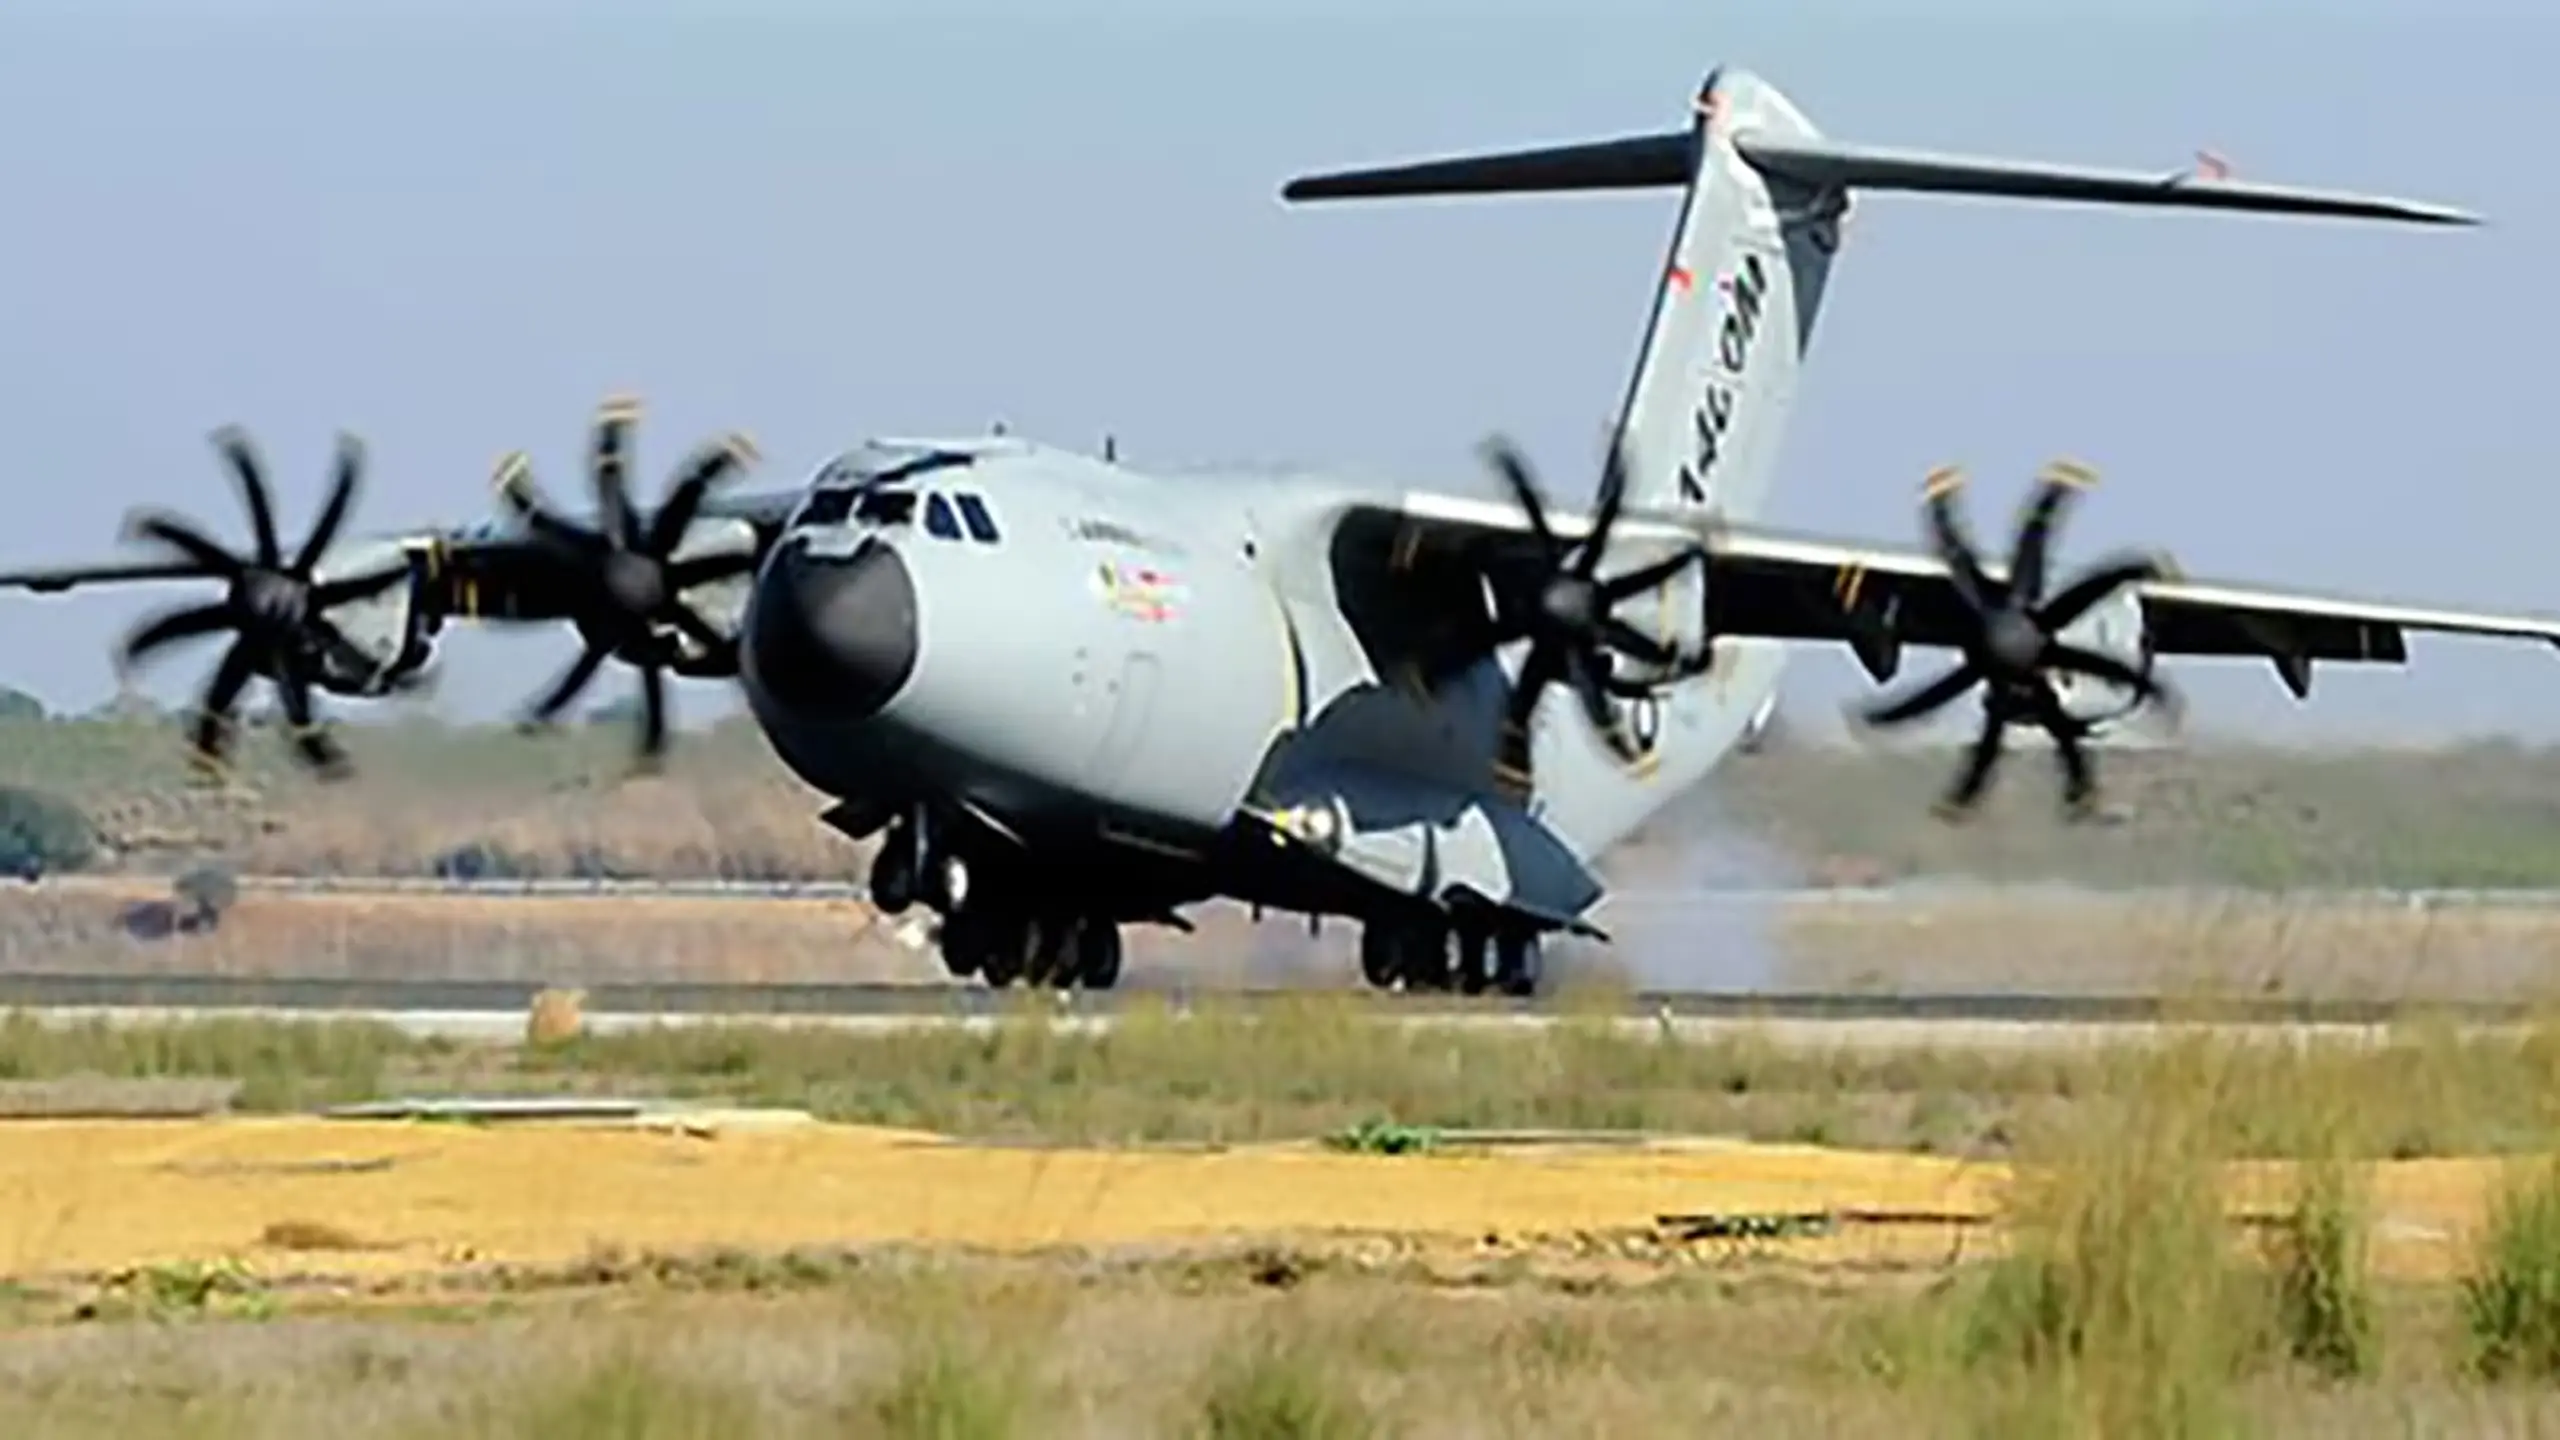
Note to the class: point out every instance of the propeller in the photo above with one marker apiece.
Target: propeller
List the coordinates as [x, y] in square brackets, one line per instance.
[2012, 642]
[275, 607]
[624, 583]
[1566, 615]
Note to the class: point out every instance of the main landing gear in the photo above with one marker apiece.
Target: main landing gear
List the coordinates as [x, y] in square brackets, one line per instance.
[1004, 932]
[1420, 953]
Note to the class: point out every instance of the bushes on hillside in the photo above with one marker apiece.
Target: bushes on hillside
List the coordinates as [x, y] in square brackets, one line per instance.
[41, 833]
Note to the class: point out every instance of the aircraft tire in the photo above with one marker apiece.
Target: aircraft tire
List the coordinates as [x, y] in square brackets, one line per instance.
[1007, 946]
[1427, 956]
[1097, 953]
[1381, 958]
[893, 878]
[1474, 968]
[1049, 952]
[1519, 961]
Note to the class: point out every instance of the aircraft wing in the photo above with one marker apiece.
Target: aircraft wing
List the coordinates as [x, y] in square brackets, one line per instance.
[488, 569]
[1803, 587]
[1878, 598]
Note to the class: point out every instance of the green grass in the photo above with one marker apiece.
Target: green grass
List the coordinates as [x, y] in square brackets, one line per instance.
[1322, 1066]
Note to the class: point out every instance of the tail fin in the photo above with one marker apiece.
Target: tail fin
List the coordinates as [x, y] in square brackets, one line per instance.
[1760, 221]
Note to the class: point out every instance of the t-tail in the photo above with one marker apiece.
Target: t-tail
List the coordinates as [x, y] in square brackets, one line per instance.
[1765, 197]
[1764, 200]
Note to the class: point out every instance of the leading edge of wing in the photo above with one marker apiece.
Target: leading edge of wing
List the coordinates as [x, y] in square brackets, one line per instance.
[56, 579]
[2208, 596]
[1468, 512]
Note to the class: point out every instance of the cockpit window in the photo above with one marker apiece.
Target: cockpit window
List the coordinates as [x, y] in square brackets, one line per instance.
[973, 513]
[885, 507]
[827, 507]
[937, 518]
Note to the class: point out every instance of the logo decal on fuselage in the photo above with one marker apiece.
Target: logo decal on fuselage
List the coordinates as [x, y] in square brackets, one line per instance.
[1746, 293]
[1140, 592]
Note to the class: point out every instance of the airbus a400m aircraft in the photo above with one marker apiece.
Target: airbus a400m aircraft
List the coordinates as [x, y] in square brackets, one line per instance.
[1069, 696]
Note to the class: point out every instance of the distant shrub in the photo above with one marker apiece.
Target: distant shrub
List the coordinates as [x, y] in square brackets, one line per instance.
[20, 706]
[205, 892]
[41, 832]
[482, 860]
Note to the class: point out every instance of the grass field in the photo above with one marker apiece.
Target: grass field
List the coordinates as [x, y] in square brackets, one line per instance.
[1269, 1227]
[2480, 815]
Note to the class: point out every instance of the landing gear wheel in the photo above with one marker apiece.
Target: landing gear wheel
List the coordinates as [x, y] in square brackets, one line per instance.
[1518, 963]
[1007, 946]
[967, 944]
[1048, 951]
[1097, 953]
[1426, 956]
[1381, 958]
[893, 872]
[1473, 971]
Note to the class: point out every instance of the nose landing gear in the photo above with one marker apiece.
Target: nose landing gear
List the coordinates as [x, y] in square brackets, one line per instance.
[1003, 932]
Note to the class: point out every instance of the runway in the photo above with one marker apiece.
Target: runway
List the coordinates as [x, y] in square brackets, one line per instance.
[491, 1013]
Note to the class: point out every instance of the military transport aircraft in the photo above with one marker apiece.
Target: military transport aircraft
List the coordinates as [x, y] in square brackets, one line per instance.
[1067, 695]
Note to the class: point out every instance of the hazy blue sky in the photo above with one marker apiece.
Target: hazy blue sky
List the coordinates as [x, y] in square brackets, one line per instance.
[455, 227]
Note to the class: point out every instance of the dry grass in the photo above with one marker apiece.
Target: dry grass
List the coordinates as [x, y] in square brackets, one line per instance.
[2468, 815]
[2308, 947]
[811, 1281]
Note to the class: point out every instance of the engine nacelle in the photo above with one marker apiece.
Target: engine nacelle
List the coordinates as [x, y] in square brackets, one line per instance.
[384, 629]
[2113, 627]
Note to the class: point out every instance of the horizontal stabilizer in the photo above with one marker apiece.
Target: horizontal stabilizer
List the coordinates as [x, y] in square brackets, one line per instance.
[1668, 159]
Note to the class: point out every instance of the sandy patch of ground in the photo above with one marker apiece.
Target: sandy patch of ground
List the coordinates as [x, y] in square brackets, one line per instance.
[370, 1199]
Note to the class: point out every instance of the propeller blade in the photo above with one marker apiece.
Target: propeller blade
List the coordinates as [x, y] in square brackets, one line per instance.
[515, 487]
[360, 587]
[702, 570]
[1604, 517]
[2101, 666]
[712, 465]
[1924, 699]
[1947, 534]
[1979, 763]
[2097, 584]
[653, 716]
[2079, 779]
[1506, 459]
[2055, 488]
[606, 466]
[1512, 758]
[1632, 641]
[1595, 707]
[183, 537]
[213, 725]
[565, 688]
[310, 743]
[342, 494]
[1636, 582]
[246, 472]
[690, 621]
[171, 627]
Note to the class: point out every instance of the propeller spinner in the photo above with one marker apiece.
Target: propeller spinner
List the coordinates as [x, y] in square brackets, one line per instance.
[275, 607]
[1566, 617]
[625, 584]
[2011, 645]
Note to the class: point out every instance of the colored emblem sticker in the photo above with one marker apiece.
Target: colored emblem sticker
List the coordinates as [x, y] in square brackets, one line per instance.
[1141, 592]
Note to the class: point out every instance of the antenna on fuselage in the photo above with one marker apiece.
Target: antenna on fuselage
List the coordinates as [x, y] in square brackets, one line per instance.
[996, 429]
[1110, 449]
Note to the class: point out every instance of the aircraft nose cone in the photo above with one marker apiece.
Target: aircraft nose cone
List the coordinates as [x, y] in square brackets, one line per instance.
[834, 635]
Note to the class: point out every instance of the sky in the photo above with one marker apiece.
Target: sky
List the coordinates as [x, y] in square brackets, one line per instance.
[454, 228]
